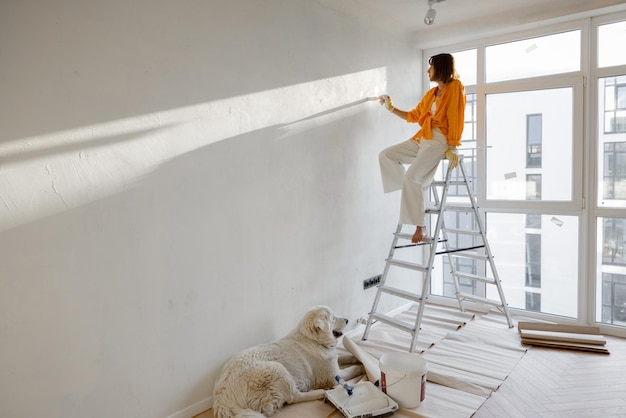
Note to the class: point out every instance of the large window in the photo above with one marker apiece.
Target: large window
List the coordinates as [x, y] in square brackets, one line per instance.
[523, 136]
[530, 100]
[610, 140]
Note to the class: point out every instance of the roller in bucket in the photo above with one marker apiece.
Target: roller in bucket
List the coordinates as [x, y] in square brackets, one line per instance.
[403, 378]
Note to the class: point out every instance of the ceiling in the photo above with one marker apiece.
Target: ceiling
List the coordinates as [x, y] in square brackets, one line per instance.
[460, 20]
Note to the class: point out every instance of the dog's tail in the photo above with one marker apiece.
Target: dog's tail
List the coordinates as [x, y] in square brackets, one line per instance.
[248, 413]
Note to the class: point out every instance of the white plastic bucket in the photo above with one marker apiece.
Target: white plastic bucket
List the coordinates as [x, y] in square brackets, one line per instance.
[403, 377]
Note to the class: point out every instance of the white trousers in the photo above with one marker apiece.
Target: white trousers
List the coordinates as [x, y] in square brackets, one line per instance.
[422, 160]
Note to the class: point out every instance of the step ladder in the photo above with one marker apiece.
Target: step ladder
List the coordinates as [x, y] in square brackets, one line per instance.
[440, 243]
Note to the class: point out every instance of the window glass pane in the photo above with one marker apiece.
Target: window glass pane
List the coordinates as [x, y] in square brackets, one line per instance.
[516, 167]
[611, 272]
[466, 65]
[552, 54]
[611, 41]
[468, 137]
[612, 141]
[539, 260]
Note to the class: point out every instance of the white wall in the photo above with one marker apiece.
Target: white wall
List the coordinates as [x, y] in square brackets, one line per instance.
[159, 210]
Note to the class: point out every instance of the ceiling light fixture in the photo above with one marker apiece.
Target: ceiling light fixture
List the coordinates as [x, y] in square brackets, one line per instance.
[431, 13]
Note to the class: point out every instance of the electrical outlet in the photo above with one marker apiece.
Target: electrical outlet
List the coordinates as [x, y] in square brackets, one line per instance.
[372, 281]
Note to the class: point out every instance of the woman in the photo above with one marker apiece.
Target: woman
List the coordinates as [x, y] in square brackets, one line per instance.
[441, 116]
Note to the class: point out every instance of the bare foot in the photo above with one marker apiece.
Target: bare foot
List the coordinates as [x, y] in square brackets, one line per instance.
[418, 236]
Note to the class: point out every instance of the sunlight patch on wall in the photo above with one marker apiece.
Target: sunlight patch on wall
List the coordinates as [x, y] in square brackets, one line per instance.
[48, 174]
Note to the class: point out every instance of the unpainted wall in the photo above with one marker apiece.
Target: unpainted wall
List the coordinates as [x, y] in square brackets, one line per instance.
[179, 181]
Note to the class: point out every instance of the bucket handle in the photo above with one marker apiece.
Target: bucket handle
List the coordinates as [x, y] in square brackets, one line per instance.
[397, 381]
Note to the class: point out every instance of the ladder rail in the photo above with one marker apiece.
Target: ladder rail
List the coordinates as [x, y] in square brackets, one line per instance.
[455, 281]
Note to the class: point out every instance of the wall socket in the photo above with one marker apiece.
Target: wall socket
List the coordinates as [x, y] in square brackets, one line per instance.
[372, 281]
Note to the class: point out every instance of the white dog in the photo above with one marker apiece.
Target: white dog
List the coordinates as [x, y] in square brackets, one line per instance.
[258, 381]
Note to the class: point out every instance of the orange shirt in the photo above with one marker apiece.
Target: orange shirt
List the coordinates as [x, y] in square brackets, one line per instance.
[449, 115]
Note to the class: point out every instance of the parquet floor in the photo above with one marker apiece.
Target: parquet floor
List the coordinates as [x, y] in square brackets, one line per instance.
[551, 383]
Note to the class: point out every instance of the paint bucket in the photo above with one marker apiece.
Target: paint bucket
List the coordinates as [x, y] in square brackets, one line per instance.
[403, 378]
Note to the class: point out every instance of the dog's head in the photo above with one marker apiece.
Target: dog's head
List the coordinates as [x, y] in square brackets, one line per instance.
[321, 325]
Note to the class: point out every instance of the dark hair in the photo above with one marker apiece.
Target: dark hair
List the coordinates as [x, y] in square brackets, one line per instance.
[443, 66]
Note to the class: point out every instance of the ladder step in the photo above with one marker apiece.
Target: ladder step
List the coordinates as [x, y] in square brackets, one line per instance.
[483, 279]
[406, 265]
[480, 299]
[469, 254]
[459, 208]
[452, 183]
[401, 293]
[392, 322]
[403, 235]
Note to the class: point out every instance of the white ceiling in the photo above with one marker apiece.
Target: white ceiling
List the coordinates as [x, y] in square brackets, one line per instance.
[459, 20]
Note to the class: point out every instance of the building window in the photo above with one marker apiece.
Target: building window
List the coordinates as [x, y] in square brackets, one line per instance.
[615, 104]
[533, 186]
[613, 243]
[533, 260]
[533, 301]
[533, 140]
[614, 172]
[464, 221]
[613, 299]
[533, 221]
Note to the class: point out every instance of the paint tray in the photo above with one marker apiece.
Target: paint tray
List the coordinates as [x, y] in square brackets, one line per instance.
[366, 401]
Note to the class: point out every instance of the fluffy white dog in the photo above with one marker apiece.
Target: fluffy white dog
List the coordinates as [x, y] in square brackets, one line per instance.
[258, 381]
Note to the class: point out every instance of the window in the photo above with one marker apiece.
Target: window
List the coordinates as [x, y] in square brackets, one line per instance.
[614, 178]
[469, 129]
[533, 260]
[611, 41]
[613, 242]
[524, 134]
[611, 292]
[465, 221]
[613, 299]
[516, 123]
[612, 141]
[533, 221]
[537, 266]
[544, 55]
[533, 186]
[533, 141]
[614, 104]
[465, 63]
[533, 301]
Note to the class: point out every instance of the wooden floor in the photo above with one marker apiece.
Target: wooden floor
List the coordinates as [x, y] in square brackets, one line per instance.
[563, 383]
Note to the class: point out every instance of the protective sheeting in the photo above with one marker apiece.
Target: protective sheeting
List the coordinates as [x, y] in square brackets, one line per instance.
[469, 356]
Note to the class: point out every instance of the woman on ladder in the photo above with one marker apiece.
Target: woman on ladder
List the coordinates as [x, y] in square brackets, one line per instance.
[441, 116]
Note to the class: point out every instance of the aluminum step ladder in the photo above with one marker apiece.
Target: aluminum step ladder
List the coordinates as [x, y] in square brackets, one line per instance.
[439, 243]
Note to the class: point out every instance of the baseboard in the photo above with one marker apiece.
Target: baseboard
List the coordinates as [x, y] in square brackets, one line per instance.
[195, 409]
